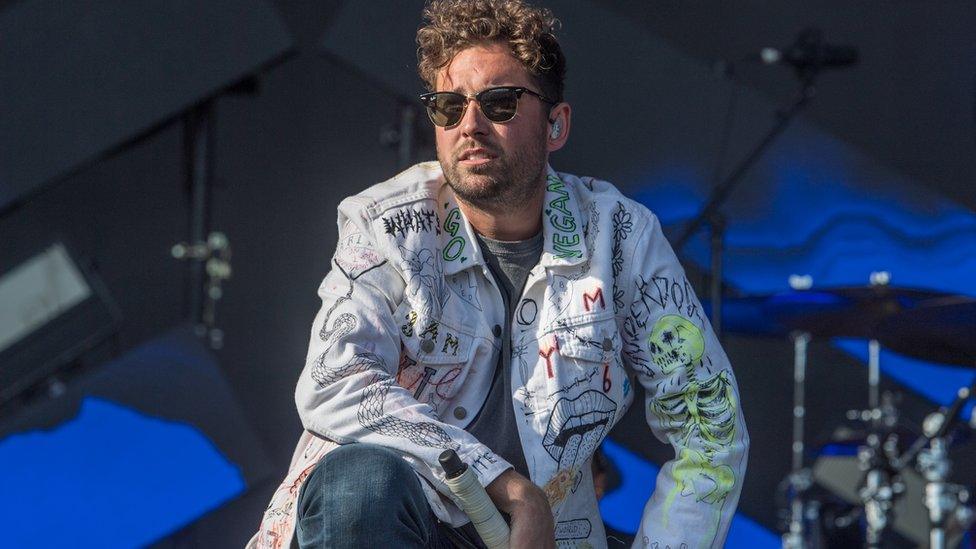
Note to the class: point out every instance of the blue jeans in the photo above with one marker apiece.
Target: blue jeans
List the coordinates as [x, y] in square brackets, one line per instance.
[364, 495]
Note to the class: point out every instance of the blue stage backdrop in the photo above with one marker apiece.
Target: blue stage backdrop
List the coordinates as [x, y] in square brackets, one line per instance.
[133, 451]
[111, 477]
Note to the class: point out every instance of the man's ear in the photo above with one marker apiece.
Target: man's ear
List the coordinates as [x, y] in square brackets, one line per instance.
[559, 124]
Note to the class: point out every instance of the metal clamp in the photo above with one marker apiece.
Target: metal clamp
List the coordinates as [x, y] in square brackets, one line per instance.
[215, 254]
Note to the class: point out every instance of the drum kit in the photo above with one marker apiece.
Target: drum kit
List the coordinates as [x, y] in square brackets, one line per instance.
[878, 483]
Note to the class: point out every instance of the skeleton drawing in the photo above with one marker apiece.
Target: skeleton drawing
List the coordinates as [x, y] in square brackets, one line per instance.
[695, 475]
[704, 409]
[702, 412]
[675, 343]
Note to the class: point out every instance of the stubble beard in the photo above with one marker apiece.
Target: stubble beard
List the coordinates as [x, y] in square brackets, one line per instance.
[503, 185]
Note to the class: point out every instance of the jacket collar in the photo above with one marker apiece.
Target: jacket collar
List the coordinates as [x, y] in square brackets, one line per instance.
[562, 225]
[459, 247]
[562, 229]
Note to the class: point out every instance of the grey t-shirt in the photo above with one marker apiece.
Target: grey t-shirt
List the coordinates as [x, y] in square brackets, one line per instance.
[494, 425]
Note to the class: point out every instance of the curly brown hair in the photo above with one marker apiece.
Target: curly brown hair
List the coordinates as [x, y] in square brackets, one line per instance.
[454, 25]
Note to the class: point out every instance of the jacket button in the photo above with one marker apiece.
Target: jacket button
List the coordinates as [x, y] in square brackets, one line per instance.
[607, 344]
[497, 330]
[460, 412]
[427, 345]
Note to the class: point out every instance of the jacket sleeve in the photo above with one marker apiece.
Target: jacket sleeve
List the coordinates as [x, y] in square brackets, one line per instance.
[347, 390]
[692, 401]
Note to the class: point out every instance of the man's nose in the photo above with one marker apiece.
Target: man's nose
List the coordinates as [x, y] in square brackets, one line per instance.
[474, 122]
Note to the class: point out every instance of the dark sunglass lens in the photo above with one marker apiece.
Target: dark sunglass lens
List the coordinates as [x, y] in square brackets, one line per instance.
[499, 105]
[446, 109]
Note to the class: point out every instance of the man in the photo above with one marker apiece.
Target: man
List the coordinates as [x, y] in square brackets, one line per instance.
[488, 304]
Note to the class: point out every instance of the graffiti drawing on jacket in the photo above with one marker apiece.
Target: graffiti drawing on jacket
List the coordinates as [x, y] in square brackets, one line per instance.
[590, 231]
[652, 296]
[346, 322]
[568, 531]
[559, 295]
[466, 287]
[355, 256]
[575, 429]
[371, 414]
[701, 411]
[425, 282]
[408, 220]
[622, 226]
[342, 325]
[527, 311]
[428, 384]
[454, 249]
[565, 239]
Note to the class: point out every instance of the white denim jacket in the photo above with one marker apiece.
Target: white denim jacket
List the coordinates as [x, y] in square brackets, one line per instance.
[402, 354]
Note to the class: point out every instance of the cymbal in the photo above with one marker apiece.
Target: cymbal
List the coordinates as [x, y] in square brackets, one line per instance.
[749, 316]
[939, 330]
[850, 311]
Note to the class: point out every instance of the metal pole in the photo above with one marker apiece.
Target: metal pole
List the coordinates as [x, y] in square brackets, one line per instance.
[722, 191]
[935, 467]
[715, 282]
[408, 117]
[874, 377]
[800, 342]
[198, 147]
[876, 508]
[796, 536]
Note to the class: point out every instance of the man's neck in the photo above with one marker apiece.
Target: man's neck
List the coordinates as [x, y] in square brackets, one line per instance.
[507, 224]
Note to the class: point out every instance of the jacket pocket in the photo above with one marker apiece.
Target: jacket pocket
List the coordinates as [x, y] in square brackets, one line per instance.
[582, 400]
[435, 356]
[588, 359]
[585, 341]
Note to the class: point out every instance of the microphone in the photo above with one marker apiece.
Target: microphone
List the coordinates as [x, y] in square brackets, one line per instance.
[488, 522]
[809, 53]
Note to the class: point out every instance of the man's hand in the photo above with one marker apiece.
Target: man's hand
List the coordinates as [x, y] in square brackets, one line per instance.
[528, 507]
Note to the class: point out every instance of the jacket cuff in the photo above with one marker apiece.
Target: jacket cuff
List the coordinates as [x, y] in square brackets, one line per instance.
[487, 465]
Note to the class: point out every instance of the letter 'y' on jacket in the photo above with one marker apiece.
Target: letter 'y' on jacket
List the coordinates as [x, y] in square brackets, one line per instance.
[402, 354]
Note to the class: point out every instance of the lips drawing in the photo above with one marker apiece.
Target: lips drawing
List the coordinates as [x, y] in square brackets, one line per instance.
[577, 426]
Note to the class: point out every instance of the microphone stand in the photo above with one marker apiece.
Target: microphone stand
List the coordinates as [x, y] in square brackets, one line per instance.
[935, 466]
[710, 214]
[800, 479]
[941, 499]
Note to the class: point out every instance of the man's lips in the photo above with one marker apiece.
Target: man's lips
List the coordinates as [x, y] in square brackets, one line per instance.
[475, 156]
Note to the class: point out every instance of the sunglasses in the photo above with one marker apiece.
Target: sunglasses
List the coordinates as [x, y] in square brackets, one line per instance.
[500, 104]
